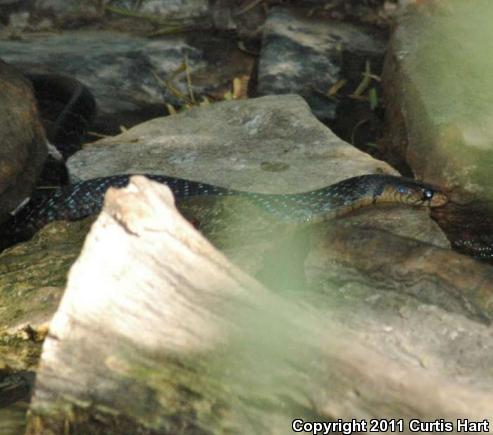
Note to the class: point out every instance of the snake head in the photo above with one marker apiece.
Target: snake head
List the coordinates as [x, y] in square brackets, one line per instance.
[418, 193]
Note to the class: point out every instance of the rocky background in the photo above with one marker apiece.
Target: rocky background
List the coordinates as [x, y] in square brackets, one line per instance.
[266, 96]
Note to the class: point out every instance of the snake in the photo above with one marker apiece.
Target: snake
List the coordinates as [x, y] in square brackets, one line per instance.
[77, 109]
[85, 198]
[82, 199]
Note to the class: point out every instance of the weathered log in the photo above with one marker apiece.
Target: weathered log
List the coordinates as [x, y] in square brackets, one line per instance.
[158, 333]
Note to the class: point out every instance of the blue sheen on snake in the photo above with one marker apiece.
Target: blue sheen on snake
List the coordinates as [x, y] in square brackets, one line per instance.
[85, 198]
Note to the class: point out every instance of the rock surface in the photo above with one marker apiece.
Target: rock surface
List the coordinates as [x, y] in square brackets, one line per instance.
[402, 265]
[23, 145]
[439, 94]
[167, 8]
[264, 144]
[307, 55]
[69, 14]
[64, 9]
[127, 74]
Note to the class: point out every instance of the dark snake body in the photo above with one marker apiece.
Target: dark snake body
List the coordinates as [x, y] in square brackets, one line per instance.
[77, 109]
[85, 198]
[79, 200]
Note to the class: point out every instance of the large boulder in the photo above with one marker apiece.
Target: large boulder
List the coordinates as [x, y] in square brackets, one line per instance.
[23, 147]
[439, 93]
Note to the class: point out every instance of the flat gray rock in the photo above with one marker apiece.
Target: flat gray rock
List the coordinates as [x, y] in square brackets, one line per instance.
[269, 144]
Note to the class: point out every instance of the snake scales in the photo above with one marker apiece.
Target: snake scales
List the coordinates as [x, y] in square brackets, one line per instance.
[82, 199]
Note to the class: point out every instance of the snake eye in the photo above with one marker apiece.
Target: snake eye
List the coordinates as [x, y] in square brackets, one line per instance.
[427, 195]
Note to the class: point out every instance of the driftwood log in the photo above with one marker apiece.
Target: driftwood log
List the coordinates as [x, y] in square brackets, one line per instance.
[158, 333]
